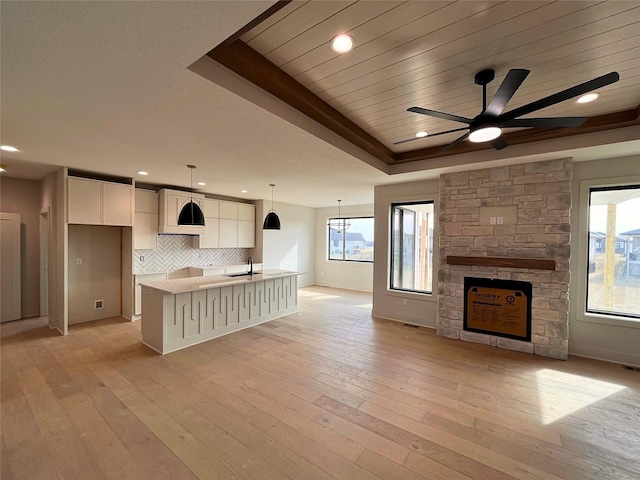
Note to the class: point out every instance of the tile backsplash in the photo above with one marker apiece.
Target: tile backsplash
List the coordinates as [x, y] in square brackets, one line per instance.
[176, 251]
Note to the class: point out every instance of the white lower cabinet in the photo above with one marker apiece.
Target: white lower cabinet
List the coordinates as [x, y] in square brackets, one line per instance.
[138, 281]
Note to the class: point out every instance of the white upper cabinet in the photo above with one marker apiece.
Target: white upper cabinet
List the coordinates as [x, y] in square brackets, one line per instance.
[247, 212]
[211, 236]
[211, 208]
[145, 226]
[227, 225]
[229, 210]
[171, 203]
[146, 200]
[246, 225]
[95, 202]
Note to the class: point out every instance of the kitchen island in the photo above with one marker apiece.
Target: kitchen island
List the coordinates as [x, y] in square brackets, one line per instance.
[183, 312]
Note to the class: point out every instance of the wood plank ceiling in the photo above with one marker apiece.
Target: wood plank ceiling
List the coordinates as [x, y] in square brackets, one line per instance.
[416, 53]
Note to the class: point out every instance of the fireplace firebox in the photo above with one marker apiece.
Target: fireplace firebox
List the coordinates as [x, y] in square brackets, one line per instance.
[498, 307]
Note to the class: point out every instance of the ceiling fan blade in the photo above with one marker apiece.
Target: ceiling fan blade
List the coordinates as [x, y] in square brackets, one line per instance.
[545, 122]
[509, 85]
[572, 92]
[452, 144]
[499, 143]
[444, 116]
[430, 135]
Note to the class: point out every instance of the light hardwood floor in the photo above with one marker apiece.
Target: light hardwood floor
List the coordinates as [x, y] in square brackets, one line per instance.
[327, 393]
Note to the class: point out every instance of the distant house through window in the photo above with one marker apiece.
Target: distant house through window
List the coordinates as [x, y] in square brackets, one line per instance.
[412, 247]
[613, 278]
[352, 244]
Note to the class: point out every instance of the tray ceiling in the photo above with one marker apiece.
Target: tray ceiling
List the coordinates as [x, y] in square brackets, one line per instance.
[427, 53]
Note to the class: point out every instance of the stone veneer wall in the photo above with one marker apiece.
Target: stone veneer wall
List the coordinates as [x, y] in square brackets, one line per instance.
[542, 194]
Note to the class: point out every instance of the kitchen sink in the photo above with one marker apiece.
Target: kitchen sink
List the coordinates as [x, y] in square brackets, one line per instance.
[243, 274]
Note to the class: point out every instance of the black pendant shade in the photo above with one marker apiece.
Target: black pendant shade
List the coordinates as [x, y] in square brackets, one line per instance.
[191, 214]
[271, 221]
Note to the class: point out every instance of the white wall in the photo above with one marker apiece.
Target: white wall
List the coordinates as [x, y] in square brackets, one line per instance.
[420, 309]
[350, 275]
[593, 336]
[291, 247]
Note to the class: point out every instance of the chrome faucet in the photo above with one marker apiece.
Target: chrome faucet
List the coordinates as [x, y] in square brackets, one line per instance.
[250, 265]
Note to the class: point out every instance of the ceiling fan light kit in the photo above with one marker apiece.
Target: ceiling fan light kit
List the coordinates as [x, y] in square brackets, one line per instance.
[488, 125]
[484, 134]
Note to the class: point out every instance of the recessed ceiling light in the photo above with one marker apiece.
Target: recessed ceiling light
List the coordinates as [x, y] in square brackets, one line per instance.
[342, 43]
[484, 134]
[421, 134]
[589, 97]
[9, 148]
[142, 172]
[202, 184]
[244, 191]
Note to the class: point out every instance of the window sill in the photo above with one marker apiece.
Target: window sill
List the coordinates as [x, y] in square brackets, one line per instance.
[425, 297]
[612, 320]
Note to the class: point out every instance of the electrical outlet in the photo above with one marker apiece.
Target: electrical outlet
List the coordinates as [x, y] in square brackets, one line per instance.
[78, 261]
[404, 301]
[492, 220]
[99, 304]
[500, 220]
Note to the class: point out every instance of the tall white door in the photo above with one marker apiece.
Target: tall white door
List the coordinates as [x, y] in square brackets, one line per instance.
[10, 296]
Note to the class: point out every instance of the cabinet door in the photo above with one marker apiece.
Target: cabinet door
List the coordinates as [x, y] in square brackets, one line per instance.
[116, 204]
[211, 208]
[229, 210]
[172, 209]
[145, 231]
[146, 201]
[211, 236]
[84, 201]
[246, 234]
[228, 233]
[246, 212]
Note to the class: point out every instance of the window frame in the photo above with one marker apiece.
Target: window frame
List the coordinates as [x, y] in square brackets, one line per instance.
[391, 288]
[344, 243]
[582, 257]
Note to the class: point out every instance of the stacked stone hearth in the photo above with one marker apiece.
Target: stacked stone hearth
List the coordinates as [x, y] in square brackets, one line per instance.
[541, 192]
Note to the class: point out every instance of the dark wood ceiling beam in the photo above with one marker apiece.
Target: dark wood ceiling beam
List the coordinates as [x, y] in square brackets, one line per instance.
[246, 62]
[599, 123]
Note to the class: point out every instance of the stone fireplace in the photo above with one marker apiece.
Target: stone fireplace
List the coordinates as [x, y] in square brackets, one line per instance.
[508, 223]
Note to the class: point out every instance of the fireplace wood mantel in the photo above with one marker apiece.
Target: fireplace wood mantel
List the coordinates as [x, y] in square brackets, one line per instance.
[507, 262]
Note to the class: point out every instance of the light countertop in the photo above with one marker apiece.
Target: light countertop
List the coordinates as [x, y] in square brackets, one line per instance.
[190, 284]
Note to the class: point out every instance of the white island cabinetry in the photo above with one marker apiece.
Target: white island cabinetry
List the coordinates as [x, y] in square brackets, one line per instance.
[187, 311]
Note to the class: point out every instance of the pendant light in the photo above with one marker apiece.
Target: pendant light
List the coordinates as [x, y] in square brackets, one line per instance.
[339, 223]
[191, 215]
[271, 221]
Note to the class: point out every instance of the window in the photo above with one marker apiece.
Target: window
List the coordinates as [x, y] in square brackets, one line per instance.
[613, 283]
[351, 244]
[412, 246]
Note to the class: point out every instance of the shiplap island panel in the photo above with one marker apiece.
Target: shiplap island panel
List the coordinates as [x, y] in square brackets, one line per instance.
[183, 312]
